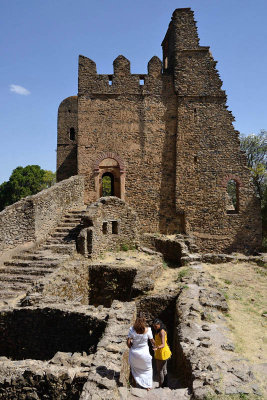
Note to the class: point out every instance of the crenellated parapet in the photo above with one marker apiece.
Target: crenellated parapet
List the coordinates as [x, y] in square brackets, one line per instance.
[121, 81]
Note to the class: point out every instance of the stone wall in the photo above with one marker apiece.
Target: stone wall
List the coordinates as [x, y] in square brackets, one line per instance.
[137, 123]
[171, 248]
[171, 137]
[208, 151]
[39, 333]
[110, 367]
[67, 125]
[110, 223]
[35, 216]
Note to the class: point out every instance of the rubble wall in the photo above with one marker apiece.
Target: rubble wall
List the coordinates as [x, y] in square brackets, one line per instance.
[33, 218]
[111, 224]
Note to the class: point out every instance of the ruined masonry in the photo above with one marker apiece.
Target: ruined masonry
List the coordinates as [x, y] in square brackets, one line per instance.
[166, 141]
[144, 167]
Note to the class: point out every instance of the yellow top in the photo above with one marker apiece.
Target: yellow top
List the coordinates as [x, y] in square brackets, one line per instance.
[165, 352]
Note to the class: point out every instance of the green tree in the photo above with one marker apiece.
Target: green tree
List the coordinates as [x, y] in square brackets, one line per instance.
[255, 147]
[49, 179]
[24, 181]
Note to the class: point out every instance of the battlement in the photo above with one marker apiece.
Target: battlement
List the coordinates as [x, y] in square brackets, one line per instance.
[121, 81]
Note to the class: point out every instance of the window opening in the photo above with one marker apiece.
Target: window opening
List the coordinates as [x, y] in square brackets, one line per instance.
[105, 228]
[115, 227]
[72, 134]
[232, 200]
[110, 78]
[141, 81]
[166, 63]
[107, 184]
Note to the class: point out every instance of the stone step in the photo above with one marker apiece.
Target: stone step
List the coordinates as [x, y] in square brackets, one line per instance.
[29, 263]
[14, 278]
[70, 220]
[75, 212]
[26, 271]
[67, 229]
[62, 234]
[14, 286]
[7, 294]
[63, 241]
[61, 248]
[36, 257]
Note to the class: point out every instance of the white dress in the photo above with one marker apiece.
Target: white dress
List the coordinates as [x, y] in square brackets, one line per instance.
[140, 359]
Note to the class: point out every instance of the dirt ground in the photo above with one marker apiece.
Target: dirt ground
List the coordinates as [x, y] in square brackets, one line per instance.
[245, 287]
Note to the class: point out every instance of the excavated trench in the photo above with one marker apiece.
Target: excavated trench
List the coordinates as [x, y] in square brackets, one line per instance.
[164, 308]
[108, 283]
[40, 333]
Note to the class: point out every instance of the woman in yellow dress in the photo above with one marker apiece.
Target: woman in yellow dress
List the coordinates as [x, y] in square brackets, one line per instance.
[162, 350]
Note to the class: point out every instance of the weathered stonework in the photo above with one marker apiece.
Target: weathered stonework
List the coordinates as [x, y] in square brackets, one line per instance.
[109, 224]
[167, 140]
[32, 218]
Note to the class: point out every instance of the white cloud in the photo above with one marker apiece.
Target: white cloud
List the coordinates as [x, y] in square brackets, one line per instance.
[19, 90]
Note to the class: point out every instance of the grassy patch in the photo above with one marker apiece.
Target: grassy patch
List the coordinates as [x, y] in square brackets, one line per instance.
[165, 265]
[183, 272]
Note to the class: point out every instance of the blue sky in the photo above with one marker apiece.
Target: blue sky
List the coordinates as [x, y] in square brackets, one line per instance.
[40, 41]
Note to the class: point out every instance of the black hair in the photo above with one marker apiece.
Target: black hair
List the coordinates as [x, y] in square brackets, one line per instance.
[160, 323]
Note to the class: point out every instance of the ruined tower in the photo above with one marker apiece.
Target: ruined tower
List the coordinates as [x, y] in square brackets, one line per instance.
[166, 141]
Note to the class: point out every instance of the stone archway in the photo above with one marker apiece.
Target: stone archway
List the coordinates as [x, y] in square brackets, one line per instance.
[109, 164]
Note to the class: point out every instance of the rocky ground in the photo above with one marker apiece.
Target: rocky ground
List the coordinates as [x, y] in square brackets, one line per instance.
[216, 313]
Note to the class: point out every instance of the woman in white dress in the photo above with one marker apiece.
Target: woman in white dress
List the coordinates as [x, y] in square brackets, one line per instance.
[139, 357]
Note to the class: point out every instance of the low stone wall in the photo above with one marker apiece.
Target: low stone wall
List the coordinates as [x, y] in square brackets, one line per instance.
[172, 249]
[107, 283]
[39, 333]
[33, 217]
[46, 329]
[110, 225]
[110, 369]
[203, 348]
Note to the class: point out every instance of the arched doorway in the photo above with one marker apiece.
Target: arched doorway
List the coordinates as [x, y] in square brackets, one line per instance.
[109, 176]
[107, 184]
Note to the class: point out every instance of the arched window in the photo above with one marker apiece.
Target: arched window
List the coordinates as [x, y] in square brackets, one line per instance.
[107, 184]
[72, 134]
[232, 197]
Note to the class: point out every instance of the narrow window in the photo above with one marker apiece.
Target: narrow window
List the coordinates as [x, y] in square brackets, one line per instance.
[107, 184]
[105, 228]
[232, 197]
[115, 227]
[110, 77]
[72, 134]
[166, 63]
[195, 159]
[141, 81]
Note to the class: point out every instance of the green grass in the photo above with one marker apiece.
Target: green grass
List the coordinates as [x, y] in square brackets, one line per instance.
[165, 265]
[182, 273]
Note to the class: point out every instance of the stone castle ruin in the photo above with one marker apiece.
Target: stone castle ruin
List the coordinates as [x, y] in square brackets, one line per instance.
[166, 141]
[144, 167]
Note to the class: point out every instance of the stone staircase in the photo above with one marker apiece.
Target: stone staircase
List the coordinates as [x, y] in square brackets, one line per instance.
[22, 271]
